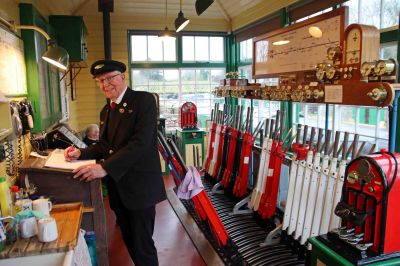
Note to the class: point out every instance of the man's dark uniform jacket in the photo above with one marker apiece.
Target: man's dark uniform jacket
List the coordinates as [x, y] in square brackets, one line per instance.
[128, 145]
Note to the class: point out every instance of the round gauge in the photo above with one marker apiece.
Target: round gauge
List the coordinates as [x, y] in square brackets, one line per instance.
[384, 67]
[353, 46]
[367, 68]
[333, 52]
[330, 72]
[380, 68]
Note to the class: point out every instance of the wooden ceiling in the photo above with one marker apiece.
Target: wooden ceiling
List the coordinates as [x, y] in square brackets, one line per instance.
[229, 10]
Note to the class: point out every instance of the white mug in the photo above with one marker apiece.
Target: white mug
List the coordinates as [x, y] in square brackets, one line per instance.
[42, 205]
[28, 227]
[47, 229]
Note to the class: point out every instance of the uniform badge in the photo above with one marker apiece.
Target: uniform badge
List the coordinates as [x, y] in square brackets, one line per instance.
[121, 110]
[99, 66]
[130, 111]
[124, 104]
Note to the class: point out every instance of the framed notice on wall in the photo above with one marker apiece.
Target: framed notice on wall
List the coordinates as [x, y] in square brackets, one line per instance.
[294, 49]
[12, 65]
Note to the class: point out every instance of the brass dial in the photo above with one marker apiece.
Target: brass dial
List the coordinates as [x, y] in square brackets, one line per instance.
[334, 53]
[367, 68]
[384, 67]
[330, 72]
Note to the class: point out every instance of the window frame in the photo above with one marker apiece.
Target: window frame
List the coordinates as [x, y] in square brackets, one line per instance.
[179, 64]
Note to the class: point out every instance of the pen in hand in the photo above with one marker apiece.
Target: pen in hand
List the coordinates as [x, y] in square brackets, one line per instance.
[71, 153]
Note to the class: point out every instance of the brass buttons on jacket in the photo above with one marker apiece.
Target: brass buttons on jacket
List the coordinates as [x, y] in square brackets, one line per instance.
[110, 152]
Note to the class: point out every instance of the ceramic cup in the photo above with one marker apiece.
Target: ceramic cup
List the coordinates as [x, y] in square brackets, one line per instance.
[47, 229]
[42, 205]
[23, 205]
[28, 227]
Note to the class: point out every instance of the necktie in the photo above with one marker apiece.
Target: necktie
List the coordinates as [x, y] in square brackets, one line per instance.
[113, 105]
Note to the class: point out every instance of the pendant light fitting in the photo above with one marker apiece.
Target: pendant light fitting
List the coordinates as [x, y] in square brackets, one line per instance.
[181, 22]
[202, 5]
[166, 33]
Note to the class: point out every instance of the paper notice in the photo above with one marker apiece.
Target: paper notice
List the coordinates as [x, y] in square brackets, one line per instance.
[334, 93]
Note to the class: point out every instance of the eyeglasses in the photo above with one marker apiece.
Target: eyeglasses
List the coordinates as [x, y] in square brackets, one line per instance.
[108, 79]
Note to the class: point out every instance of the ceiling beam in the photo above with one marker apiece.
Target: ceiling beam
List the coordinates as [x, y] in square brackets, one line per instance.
[223, 11]
[80, 7]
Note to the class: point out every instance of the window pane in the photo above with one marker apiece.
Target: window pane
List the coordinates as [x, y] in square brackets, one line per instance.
[353, 11]
[390, 13]
[217, 75]
[203, 88]
[246, 50]
[139, 77]
[369, 12]
[203, 76]
[171, 76]
[245, 72]
[188, 90]
[138, 48]
[188, 48]
[242, 48]
[389, 51]
[217, 49]
[155, 51]
[156, 76]
[188, 76]
[201, 49]
[173, 91]
[156, 89]
[203, 111]
[170, 50]
[249, 49]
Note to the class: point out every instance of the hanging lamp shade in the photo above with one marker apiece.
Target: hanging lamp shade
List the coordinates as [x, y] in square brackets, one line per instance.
[202, 5]
[166, 34]
[57, 56]
[181, 22]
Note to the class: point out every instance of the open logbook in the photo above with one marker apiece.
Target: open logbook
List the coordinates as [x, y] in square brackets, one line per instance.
[56, 160]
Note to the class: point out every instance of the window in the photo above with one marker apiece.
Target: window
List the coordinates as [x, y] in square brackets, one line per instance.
[261, 109]
[246, 51]
[203, 49]
[370, 123]
[176, 86]
[388, 50]
[380, 13]
[150, 48]
[188, 75]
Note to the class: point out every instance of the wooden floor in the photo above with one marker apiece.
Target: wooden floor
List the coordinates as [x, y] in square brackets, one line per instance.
[172, 241]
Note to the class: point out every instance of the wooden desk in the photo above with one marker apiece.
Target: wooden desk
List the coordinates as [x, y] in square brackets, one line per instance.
[62, 188]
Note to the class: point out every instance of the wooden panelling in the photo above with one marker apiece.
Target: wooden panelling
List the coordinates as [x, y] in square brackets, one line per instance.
[9, 10]
[259, 11]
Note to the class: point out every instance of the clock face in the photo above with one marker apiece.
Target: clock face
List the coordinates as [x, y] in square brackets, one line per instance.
[353, 46]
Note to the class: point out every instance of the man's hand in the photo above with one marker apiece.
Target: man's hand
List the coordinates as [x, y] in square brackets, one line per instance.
[71, 153]
[89, 172]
